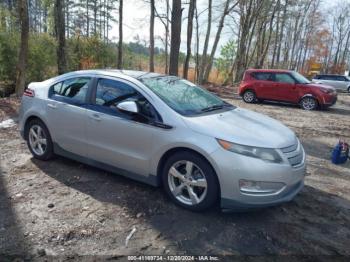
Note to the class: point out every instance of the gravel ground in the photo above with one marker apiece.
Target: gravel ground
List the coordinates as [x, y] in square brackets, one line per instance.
[68, 210]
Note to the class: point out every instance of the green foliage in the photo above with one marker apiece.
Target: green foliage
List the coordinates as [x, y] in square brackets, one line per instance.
[90, 52]
[41, 58]
[225, 61]
[9, 43]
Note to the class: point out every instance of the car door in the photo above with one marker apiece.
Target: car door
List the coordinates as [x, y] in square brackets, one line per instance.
[286, 88]
[67, 114]
[331, 80]
[342, 83]
[263, 85]
[117, 138]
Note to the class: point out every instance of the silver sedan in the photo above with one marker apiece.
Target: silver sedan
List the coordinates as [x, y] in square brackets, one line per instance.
[164, 131]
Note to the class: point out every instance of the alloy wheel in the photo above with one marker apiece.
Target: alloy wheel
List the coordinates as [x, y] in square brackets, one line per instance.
[309, 103]
[187, 182]
[249, 97]
[37, 140]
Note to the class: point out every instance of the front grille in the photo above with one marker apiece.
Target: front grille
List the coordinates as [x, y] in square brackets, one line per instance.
[294, 154]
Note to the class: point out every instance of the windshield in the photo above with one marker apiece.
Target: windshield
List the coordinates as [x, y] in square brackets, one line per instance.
[183, 96]
[300, 78]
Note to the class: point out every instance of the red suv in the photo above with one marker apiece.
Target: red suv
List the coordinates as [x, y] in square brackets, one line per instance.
[285, 86]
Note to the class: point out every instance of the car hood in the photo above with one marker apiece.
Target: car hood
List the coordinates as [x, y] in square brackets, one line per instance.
[243, 127]
[320, 85]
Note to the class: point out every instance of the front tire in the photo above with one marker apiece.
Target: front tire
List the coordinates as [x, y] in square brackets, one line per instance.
[39, 140]
[308, 103]
[190, 181]
[249, 96]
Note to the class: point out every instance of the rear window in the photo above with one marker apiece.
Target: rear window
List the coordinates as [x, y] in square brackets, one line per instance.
[262, 76]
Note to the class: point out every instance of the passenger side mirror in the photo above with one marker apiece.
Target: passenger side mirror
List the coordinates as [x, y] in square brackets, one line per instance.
[128, 106]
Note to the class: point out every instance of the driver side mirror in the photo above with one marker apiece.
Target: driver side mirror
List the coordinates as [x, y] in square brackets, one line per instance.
[128, 106]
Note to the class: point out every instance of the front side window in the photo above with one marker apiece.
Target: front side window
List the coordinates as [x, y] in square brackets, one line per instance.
[300, 78]
[284, 78]
[183, 96]
[109, 93]
[71, 90]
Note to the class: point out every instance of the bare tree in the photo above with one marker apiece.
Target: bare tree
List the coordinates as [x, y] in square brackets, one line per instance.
[189, 37]
[23, 53]
[227, 10]
[206, 43]
[176, 15]
[164, 19]
[120, 44]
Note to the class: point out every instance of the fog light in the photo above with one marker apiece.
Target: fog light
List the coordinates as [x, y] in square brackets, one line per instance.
[260, 187]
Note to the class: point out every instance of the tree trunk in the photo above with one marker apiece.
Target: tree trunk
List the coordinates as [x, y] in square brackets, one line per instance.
[284, 17]
[60, 35]
[189, 37]
[23, 53]
[206, 42]
[176, 15]
[167, 38]
[87, 19]
[120, 45]
[151, 38]
[197, 45]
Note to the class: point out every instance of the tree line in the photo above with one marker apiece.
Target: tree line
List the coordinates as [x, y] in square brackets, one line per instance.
[226, 35]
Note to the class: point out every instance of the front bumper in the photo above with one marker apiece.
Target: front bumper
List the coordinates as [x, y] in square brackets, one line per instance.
[234, 167]
[329, 100]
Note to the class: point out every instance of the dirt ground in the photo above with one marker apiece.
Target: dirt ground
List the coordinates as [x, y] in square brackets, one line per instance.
[66, 209]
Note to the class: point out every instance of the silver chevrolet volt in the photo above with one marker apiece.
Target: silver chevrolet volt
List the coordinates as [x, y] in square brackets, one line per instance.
[164, 131]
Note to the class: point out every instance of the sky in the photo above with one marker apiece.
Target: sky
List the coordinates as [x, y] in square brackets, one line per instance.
[136, 22]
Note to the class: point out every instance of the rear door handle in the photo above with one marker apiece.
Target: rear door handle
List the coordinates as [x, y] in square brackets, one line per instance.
[53, 106]
[96, 117]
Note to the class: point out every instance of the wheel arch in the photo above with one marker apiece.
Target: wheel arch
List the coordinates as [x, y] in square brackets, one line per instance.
[310, 95]
[28, 120]
[174, 150]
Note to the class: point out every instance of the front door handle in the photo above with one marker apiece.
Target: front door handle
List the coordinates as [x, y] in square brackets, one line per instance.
[53, 106]
[95, 117]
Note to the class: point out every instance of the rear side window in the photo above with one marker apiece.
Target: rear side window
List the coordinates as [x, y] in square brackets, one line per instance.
[71, 90]
[340, 78]
[262, 76]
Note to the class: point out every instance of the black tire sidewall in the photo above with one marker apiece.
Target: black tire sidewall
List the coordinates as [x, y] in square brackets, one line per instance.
[251, 91]
[210, 175]
[49, 147]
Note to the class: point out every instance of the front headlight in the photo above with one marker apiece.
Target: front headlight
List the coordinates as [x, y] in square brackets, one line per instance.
[266, 154]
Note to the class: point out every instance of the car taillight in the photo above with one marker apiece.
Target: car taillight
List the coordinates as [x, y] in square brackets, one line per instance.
[29, 92]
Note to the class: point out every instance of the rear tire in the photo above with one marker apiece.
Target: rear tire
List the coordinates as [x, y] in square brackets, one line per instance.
[349, 89]
[39, 140]
[190, 181]
[308, 103]
[249, 96]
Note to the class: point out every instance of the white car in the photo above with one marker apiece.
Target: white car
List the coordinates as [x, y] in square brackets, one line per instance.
[164, 131]
[339, 82]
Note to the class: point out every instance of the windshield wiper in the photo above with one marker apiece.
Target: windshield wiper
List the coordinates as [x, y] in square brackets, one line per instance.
[212, 108]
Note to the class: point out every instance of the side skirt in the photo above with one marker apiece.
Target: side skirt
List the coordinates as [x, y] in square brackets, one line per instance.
[150, 179]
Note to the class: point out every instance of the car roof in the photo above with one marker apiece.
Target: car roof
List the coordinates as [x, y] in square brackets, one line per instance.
[269, 70]
[329, 75]
[116, 72]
